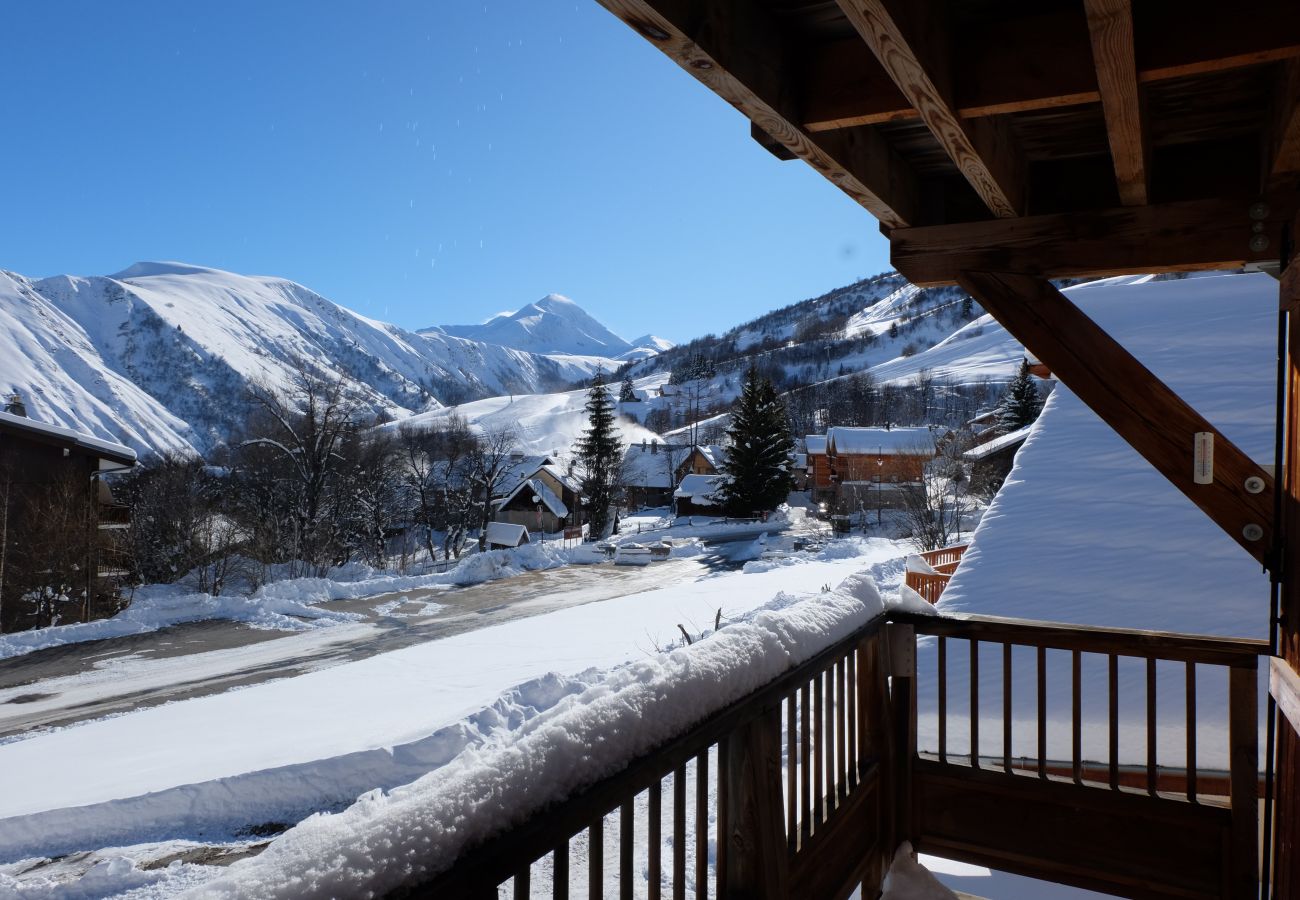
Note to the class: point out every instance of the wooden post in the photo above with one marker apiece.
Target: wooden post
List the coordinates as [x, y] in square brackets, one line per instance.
[1287, 808]
[902, 700]
[1150, 417]
[875, 743]
[1243, 741]
[757, 854]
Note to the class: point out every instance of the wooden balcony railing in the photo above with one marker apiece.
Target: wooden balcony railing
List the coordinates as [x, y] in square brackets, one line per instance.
[805, 788]
[944, 562]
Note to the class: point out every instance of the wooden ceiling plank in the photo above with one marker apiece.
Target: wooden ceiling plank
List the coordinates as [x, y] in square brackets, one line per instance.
[1037, 64]
[736, 51]
[1171, 237]
[1110, 26]
[1141, 408]
[903, 36]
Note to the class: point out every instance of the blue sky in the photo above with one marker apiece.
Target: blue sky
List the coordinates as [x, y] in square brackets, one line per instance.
[420, 162]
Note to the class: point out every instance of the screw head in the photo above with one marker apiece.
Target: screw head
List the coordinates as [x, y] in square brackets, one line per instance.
[1258, 243]
[1252, 532]
[1255, 484]
[1259, 210]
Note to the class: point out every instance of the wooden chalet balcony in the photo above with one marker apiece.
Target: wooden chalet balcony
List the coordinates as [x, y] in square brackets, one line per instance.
[806, 787]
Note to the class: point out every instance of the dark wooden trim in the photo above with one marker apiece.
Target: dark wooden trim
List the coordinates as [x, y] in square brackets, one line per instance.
[1150, 417]
[1118, 842]
[1284, 141]
[1284, 686]
[1233, 652]
[904, 37]
[1198, 234]
[734, 48]
[1110, 26]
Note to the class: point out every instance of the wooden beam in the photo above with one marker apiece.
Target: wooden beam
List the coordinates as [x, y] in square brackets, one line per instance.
[907, 38]
[737, 50]
[1044, 61]
[1110, 26]
[1201, 234]
[1284, 148]
[1149, 416]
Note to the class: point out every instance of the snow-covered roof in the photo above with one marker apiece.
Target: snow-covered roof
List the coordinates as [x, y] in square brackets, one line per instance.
[816, 443]
[560, 475]
[886, 441]
[95, 446]
[1085, 530]
[535, 487]
[716, 454]
[698, 488]
[988, 448]
[504, 534]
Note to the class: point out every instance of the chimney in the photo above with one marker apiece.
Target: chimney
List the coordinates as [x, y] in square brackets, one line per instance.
[15, 406]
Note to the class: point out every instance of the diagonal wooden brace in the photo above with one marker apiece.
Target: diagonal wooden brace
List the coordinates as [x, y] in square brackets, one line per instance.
[1141, 408]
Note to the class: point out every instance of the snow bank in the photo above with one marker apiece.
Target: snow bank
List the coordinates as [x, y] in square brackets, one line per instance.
[386, 840]
[287, 605]
[907, 879]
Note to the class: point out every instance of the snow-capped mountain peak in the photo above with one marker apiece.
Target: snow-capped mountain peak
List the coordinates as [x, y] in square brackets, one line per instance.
[553, 325]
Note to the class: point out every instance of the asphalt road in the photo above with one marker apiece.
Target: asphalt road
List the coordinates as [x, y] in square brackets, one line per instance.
[64, 685]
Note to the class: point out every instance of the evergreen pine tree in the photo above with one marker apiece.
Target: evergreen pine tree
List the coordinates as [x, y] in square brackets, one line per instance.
[757, 471]
[598, 450]
[1020, 404]
[627, 393]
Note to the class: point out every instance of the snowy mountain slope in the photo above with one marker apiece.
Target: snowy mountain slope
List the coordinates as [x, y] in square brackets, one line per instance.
[543, 423]
[47, 356]
[555, 325]
[189, 341]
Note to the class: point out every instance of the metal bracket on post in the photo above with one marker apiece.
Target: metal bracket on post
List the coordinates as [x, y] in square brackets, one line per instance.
[902, 649]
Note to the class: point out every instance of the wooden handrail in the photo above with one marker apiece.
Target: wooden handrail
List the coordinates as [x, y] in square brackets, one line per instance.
[1167, 645]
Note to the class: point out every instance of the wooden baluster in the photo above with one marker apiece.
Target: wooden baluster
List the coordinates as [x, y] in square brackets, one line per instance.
[596, 860]
[1191, 732]
[974, 704]
[943, 699]
[818, 749]
[1042, 712]
[679, 833]
[1112, 666]
[1151, 726]
[805, 763]
[792, 770]
[852, 713]
[654, 861]
[841, 730]
[828, 729]
[523, 888]
[756, 861]
[702, 826]
[724, 807]
[626, 832]
[560, 871]
[1006, 708]
[1076, 716]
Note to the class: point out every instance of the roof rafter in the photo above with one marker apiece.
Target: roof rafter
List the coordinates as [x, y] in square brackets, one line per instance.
[903, 36]
[738, 51]
[1110, 26]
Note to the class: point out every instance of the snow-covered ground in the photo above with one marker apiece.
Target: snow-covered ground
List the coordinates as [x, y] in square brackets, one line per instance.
[210, 767]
